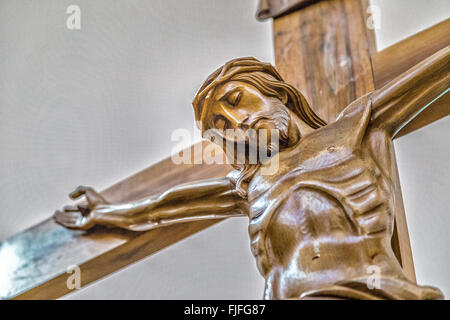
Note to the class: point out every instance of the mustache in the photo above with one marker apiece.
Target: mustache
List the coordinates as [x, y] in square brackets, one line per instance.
[279, 117]
[250, 141]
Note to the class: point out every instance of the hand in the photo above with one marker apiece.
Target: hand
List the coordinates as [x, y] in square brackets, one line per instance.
[80, 216]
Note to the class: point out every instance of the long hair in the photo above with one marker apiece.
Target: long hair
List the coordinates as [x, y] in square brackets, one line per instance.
[268, 81]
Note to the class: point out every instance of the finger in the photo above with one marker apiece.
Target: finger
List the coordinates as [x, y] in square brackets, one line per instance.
[79, 191]
[67, 219]
[72, 221]
[71, 208]
[56, 214]
[61, 217]
[67, 224]
[92, 196]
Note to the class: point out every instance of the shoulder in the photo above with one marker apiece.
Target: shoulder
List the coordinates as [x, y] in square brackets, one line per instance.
[358, 107]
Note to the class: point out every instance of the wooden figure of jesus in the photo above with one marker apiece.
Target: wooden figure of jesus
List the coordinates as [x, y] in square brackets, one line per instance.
[320, 225]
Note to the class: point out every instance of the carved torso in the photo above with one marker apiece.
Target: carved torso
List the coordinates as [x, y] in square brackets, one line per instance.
[330, 201]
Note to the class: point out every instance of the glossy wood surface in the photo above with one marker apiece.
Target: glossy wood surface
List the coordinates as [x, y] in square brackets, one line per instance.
[396, 59]
[329, 59]
[321, 208]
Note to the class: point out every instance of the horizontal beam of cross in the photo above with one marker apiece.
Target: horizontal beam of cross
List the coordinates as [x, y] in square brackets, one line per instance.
[34, 262]
[394, 60]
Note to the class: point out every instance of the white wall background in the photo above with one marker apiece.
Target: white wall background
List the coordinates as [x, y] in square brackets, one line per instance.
[96, 105]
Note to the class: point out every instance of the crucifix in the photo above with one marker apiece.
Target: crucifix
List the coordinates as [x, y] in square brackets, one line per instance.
[331, 211]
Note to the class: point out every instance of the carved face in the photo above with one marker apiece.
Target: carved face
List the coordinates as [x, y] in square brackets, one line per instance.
[238, 106]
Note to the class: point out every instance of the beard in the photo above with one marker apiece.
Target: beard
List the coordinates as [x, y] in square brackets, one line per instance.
[272, 122]
[242, 146]
[263, 137]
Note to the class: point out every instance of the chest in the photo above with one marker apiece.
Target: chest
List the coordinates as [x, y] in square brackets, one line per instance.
[347, 176]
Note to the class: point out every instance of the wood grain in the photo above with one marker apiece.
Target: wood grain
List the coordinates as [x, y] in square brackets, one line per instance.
[34, 262]
[396, 59]
[325, 50]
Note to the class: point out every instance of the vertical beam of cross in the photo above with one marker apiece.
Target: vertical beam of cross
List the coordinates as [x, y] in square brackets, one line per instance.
[325, 50]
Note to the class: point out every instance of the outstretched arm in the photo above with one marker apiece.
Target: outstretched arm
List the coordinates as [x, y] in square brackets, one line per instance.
[204, 199]
[402, 99]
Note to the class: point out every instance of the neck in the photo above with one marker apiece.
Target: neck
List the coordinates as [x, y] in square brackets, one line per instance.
[297, 129]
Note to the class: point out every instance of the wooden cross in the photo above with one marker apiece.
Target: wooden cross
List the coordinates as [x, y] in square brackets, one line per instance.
[323, 48]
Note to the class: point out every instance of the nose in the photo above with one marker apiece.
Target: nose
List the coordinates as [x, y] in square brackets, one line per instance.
[236, 117]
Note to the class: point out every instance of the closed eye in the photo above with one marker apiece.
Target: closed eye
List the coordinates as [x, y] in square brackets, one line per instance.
[233, 97]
